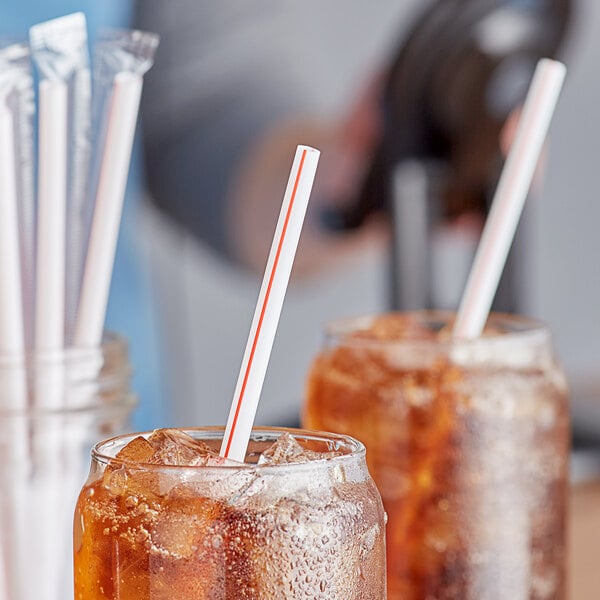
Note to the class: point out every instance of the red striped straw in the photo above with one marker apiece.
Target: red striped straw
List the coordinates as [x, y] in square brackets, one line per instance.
[509, 200]
[102, 245]
[269, 305]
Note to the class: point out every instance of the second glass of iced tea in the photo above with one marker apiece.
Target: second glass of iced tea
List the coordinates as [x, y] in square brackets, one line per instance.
[468, 443]
[163, 517]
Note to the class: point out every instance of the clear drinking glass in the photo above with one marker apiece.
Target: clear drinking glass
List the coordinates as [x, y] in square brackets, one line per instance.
[468, 443]
[53, 407]
[147, 531]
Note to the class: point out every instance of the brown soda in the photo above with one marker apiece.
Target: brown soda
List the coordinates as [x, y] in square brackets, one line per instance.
[468, 445]
[308, 523]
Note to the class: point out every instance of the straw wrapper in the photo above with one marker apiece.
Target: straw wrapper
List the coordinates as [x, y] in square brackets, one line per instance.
[14, 83]
[122, 59]
[12, 342]
[59, 51]
[41, 258]
[15, 87]
[269, 305]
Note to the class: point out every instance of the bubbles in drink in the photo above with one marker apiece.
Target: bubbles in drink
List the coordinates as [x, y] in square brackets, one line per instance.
[468, 444]
[166, 519]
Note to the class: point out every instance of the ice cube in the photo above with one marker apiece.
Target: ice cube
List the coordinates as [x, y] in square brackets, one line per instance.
[137, 478]
[132, 477]
[395, 327]
[141, 474]
[174, 447]
[286, 450]
[139, 450]
[188, 524]
[206, 547]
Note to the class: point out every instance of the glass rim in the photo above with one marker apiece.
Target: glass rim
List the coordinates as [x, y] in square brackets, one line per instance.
[513, 329]
[356, 449]
[113, 344]
[105, 366]
[127, 402]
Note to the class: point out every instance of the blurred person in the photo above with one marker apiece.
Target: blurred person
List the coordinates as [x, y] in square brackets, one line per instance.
[234, 89]
[227, 104]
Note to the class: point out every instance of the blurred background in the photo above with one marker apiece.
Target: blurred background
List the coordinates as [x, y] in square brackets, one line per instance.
[411, 104]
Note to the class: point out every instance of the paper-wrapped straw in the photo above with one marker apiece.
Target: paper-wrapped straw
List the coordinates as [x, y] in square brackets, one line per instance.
[509, 199]
[269, 305]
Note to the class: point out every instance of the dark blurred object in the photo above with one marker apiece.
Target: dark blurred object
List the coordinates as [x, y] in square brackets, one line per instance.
[464, 69]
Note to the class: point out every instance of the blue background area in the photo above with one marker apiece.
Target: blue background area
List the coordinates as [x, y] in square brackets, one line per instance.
[16, 16]
[130, 310]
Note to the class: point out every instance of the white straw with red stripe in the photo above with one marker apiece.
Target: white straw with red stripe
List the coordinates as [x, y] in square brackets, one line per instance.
[270, 303]
[114, 168]
[510, 197]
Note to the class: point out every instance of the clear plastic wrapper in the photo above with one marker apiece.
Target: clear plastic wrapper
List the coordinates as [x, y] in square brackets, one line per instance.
[121, 59]
[121, 51]
[45, 221]
[60, 53]
[60, 50]
[116, 51]
[17, 95]
[15, 82]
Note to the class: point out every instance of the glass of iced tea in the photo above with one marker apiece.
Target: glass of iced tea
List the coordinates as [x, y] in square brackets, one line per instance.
[468, 443]
[162, 516]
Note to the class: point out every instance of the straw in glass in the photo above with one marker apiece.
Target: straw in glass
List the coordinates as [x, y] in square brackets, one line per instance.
[509, 199]
[269, 305]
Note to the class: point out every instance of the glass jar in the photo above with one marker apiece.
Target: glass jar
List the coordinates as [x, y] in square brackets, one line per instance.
[313, 529]
[468, 442]
[53, 408]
